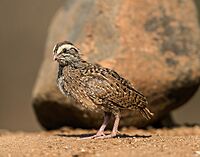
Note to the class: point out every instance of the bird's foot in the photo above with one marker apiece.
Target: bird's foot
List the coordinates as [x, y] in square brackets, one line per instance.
[97, 135]
[112, 135]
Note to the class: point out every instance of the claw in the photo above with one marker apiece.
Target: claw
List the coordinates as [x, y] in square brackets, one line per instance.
[98, 135]
[107, 136]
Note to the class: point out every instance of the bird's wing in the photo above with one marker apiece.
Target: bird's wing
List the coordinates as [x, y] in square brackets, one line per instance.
[106, 85]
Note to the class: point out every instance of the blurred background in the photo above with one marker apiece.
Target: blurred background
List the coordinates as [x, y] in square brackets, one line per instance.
[23, 30]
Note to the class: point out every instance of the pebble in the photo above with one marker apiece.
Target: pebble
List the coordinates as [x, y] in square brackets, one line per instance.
[197, 153]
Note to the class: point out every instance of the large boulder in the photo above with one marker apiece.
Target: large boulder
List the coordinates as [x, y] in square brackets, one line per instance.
[152, 43]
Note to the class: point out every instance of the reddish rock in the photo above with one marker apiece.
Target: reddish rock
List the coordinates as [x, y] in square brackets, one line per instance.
[152, 43]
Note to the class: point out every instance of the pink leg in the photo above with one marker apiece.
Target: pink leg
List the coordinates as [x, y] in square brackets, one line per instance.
[100, 132]
[114, 130]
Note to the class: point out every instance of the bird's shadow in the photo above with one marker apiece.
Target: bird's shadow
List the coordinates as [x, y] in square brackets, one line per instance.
[88, 135]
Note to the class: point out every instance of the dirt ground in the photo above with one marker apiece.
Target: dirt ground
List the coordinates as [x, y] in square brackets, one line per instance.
[181, 141]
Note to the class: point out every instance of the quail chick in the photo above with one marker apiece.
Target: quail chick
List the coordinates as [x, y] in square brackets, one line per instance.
[96, 87]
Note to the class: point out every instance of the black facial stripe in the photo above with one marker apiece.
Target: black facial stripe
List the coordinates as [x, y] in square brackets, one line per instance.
[73, 49]
[64, 43]
[73, 52]
[60, 44]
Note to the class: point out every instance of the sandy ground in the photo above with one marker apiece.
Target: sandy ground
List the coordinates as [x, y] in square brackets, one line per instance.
[182, 141]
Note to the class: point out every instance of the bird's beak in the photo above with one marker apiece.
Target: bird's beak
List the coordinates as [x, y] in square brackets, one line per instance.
[55, 57]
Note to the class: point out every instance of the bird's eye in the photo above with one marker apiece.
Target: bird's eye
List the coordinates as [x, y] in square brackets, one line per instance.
[64, 50]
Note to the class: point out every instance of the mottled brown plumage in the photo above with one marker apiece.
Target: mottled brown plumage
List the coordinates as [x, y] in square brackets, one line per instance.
[94, 87]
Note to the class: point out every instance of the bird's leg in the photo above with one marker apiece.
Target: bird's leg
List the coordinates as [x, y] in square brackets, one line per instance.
[107, 117]
[115, 128]
[100, 132]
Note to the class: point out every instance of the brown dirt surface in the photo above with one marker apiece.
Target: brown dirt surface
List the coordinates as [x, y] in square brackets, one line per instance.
[181, 141]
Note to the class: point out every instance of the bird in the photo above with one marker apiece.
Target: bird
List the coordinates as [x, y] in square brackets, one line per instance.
[96, 87]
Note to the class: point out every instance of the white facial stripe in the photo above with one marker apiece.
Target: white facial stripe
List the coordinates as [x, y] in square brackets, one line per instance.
[54, 48]
[67, 46]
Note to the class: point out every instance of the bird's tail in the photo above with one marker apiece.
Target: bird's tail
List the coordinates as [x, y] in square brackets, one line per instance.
[146, 113]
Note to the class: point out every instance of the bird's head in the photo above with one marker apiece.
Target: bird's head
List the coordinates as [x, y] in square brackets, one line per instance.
[65, 53]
